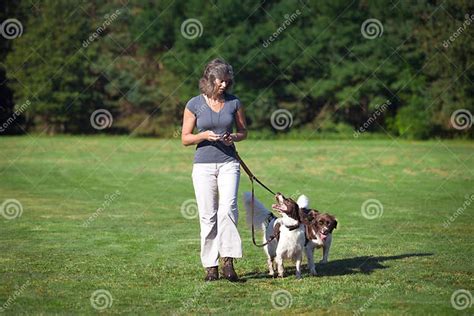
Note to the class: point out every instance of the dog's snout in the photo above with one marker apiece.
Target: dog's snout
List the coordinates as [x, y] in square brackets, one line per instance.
[279, 197]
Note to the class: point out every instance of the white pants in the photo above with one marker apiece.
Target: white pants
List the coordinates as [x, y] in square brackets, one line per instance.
[216, 186]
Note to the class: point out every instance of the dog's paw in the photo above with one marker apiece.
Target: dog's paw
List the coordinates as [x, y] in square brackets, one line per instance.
[280, 275]
[313, 272]
[298, 276]
[323, 261]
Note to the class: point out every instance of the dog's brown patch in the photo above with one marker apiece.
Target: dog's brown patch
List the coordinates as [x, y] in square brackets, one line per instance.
[287, 206]
[317, 223]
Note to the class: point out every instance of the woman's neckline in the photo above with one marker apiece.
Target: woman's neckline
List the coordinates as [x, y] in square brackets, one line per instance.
[205, 101]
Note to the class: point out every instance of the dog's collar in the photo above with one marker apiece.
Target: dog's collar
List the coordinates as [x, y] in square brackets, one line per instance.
[293, 227]
[271, 217]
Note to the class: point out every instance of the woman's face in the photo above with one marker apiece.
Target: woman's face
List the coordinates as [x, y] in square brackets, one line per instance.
[221, 85]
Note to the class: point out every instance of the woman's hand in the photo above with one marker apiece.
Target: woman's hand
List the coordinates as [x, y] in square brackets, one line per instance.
[228, 140]
[210, 136]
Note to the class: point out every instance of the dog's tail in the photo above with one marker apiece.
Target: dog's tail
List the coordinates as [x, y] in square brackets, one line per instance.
[262, 216]
[303, 201]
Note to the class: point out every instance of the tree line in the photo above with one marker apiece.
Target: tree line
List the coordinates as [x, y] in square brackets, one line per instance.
[350, 67]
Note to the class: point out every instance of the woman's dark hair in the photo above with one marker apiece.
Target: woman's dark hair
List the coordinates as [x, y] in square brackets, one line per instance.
[216, 69]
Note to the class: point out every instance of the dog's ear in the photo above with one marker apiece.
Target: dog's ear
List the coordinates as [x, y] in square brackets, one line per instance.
[306, 217]
[295, 209]
[311, 216]
[335, 223]
[314, 214]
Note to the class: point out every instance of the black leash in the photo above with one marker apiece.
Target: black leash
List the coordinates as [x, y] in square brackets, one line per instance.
[250, 174]
[252, 178]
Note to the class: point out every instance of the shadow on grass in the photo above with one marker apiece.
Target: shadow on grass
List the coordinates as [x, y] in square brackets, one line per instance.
[356, 265]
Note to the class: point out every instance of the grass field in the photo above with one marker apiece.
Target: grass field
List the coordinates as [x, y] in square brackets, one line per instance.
[104, 213]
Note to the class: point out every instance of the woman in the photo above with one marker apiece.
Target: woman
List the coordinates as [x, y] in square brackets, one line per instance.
[216, 170]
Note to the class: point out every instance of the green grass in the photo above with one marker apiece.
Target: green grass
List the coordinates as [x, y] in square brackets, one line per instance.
[146, 254]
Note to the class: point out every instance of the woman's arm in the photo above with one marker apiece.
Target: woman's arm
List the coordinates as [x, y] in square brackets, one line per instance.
[187, 136]
[241, 126]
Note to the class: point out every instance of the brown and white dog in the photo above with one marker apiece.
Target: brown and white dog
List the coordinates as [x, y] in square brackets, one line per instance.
[298, 229]
[290, 230]
[318, 231]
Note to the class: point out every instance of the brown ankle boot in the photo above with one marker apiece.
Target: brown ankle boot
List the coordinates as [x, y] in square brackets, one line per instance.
[212, 274]
[228, 270]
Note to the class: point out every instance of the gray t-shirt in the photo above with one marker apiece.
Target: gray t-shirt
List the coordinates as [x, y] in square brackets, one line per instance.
[218, 122]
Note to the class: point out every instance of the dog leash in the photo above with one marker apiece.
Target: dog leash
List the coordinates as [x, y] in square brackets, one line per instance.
[250, 174]
[253, 178]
